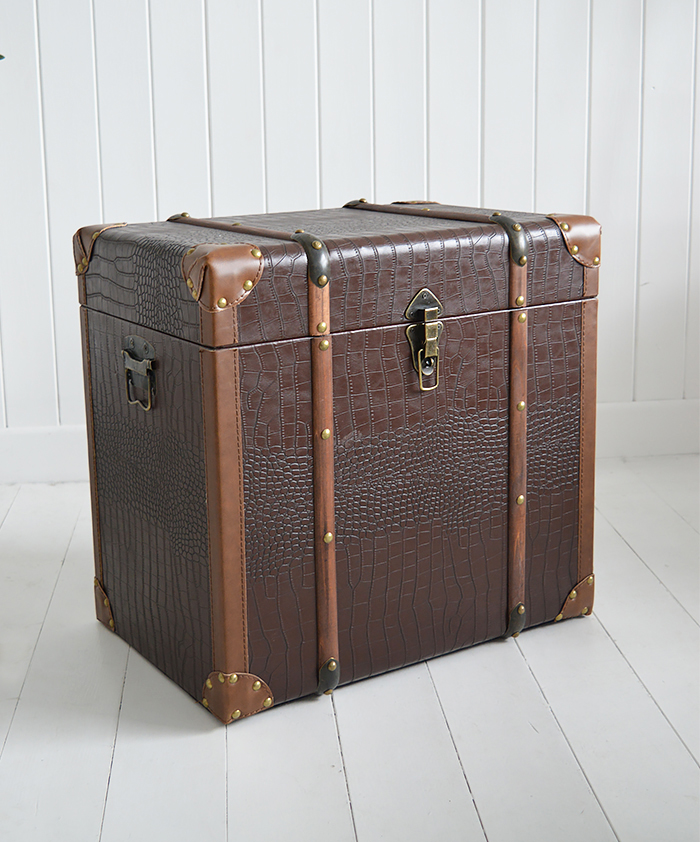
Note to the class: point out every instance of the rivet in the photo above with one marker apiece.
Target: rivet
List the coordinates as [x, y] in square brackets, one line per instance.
[256, 252]
[256, 685]
[565, 226]
[190, 251]
[521, 609]
[221, 678]
[111, 624]
[496, 213]
[427, 209]
[522, 317]
[573, 595]
[194, 294]
[332, 666]
[205, 703]
[523, 260]
[585, 611]
[520, 300]
[321, 327]
[590, 580]
[596, 261]
[106, 602]
[184, 213]
[190, 283]
[574, 249]
[364, 201]
[520, 499]
[324, 344]
[326, 434]
[95, 235]
[516, 634]
[236, 714]
[232, 679]
[236, 223]
[327, 692]
[95, 581]
[267, 702]
[247, 284]
[208, 683]
[521, 406]
[322, 280]
[328, 537]
[558, 617]
[317, 244]
[299, 231]
[517, 227]
[222, 302]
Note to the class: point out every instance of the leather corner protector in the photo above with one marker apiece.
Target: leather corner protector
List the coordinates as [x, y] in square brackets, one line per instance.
[103, 607]
[220, 276]
[232, 696]
[84, 242]
[582, 237]
[579, 602]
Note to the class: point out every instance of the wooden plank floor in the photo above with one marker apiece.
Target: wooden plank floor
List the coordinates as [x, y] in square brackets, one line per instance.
[587, 731]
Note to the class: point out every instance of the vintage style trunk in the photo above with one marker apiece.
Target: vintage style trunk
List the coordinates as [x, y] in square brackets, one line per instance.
[327, 444]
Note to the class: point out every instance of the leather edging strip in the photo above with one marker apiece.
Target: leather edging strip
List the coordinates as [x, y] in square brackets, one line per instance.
[224, 477]
[589, 323]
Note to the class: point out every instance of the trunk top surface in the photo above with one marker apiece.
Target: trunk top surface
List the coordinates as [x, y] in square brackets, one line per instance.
[378, 262]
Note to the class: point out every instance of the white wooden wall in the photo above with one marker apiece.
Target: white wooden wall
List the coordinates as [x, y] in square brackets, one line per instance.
[135, 110]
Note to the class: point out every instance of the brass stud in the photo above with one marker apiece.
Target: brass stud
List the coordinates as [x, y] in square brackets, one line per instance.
[521, 406]
[248, 285]
[522, 317]
[327, 692]
[322, 280]
[299, 231]
[520, 300]
[520, 499]
[324, 344]
[205, 703]
[190, 283]
[257, 685]
[521, 608]
[321, 327]
[208, 683]
[317, 244]
[574, 249]
[573, 595]
[326, 434]
[558, 617]
[517, 227]
[267, 702]
[236, 714]
[106, 602]
[565, 226]
[95, 581]
[111, 624]
[496, 213]
[256, 252]
[523, 260]
[221, 678]
[95, 235]
[184, 213]
[194, 294]
[590, 580]
[190, 251]
[585, 611]
[364, 201]
[221, 303]
[516, 634]
[232, 679]
[236, 223]
[328, 537]
[596, 261]
[332, 665]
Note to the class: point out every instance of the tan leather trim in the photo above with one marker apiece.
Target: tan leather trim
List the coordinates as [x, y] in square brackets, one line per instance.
[224, 471]
[324, 504]
[517, 513]
[218, 273]
[233, 696]
[103, 607]
[590, 281]
[84, 242]
[589, 335]
[579, 602]
[582, 237]
[94, 502]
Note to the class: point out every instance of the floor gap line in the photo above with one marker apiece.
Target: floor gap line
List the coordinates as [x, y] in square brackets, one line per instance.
[114, 746]
[345, 771]
[10, 506]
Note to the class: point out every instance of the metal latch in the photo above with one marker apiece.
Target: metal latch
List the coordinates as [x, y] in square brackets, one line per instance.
[138, 356]
[424, 335]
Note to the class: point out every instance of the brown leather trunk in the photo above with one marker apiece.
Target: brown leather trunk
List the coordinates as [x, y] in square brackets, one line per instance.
[288, 494]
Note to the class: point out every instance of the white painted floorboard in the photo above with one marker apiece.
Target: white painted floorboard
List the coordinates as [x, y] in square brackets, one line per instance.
[587, 730]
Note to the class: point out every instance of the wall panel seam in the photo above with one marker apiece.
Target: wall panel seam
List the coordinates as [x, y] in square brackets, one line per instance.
[535, 99]
[207, 104]
[482, 98]
[589, 87]
[638, 226]
[426, 111]
[96, 100]
[373, 108]
[317, 68]
[263, 109]
[154, 151]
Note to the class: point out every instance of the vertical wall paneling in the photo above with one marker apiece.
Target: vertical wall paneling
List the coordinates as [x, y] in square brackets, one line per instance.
[180, 107]
[73, 179]
[509, 98]
[399, 99]
[692, 339]
[291, 104]
[454, 102]
[613, 187]
[345, 98]
[666, 154]
[124, 98]
[26, 305]
[234, 56]
[562, 105]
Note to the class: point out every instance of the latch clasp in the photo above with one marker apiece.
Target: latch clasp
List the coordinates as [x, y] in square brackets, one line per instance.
[138, 356]
[424, 335]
